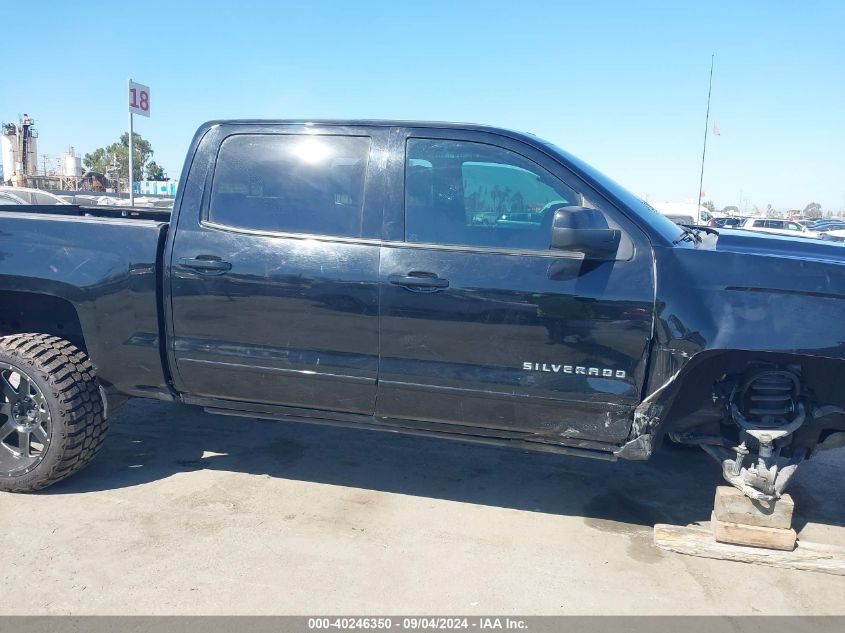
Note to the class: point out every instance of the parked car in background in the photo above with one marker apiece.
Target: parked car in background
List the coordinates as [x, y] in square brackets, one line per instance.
[10, 198]
[683, 220]
[684, 213]
[726, 223]
[707, 217]
[826, 224]
[832, 230]
[779, 227]
[33, 196]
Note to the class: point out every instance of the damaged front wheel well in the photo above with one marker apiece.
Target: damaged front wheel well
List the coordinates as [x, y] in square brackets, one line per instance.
[758, 414]
[692, 399]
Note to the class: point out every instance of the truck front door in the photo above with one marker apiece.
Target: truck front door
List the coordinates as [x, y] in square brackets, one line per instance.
[274, 268]
[482, 324]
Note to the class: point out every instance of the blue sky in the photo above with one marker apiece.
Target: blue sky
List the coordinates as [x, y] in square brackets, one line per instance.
[621, 84]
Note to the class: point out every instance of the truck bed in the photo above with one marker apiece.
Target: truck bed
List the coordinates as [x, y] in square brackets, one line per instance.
[88, 276]
[96, 211]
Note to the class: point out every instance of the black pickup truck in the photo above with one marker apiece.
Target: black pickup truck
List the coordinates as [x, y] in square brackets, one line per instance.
[439, 279]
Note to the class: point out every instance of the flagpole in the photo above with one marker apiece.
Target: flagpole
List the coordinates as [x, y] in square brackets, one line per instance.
[706, 129]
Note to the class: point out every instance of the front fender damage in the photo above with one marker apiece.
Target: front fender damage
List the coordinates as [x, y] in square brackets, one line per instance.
[647, 418]
[764, 420]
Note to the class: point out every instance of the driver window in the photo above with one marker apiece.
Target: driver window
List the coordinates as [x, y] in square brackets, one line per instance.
[473, 194]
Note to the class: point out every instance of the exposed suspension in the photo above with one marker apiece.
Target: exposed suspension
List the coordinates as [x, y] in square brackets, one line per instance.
[766, 403]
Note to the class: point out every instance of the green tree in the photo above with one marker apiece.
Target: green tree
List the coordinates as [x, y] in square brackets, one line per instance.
[156, 171]
[731, 209]
[813, 210]
[102, 158]
[710, 206]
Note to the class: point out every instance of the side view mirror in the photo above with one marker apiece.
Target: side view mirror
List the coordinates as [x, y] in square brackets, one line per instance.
[586, 231]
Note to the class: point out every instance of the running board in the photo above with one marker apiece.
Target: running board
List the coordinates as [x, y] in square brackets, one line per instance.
[395, 427]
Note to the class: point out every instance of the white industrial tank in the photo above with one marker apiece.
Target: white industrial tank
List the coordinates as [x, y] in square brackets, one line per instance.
[8, 143]
[71, 164]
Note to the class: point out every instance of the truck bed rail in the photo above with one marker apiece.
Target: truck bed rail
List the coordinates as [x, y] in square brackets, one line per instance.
[101, 211]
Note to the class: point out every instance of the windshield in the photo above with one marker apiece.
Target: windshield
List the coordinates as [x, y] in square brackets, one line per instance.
[659, 222]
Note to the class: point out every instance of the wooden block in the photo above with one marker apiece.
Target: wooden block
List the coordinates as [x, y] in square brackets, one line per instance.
[695, 540]
[734, 507]
[753, 535]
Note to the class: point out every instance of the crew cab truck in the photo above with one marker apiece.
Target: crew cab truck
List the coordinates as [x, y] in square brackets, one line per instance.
[446, 280]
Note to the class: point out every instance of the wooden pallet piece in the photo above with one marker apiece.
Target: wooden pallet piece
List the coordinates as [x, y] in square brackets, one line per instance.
[731, 506]
[696, 540]
[753, 535]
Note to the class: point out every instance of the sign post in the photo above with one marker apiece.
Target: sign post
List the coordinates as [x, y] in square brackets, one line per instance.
[139, 103]
[131, 165]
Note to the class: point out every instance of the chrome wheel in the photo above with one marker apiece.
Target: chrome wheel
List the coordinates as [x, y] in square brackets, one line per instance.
[25, 425]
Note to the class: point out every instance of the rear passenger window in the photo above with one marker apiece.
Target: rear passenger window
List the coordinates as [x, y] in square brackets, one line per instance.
[291, 183]
[473, 194]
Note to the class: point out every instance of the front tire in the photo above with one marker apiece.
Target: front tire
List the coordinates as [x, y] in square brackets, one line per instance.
[51, 412]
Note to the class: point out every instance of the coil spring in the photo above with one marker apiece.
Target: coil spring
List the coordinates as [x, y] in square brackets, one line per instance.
[769, 397]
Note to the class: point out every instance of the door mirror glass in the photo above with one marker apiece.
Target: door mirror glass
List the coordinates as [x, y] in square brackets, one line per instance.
[586, 231]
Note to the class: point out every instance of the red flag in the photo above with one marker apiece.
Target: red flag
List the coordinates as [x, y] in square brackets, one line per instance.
[716, 129]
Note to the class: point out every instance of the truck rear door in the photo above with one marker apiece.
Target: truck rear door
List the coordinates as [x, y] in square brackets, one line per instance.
[482, 325]
[274, 267]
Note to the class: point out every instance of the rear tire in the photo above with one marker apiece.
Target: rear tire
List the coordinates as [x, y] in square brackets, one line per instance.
[51, 411]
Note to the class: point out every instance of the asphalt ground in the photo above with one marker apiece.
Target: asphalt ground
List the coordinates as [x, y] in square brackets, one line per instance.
[189, 513]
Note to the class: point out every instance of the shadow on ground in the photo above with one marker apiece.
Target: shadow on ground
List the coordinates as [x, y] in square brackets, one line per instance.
[150, 441]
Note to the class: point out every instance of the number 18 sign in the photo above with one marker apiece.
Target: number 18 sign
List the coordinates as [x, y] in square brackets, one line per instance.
[139, 99]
